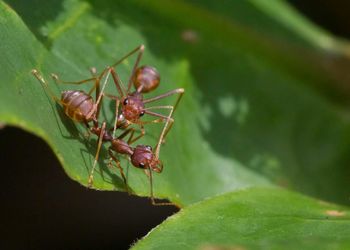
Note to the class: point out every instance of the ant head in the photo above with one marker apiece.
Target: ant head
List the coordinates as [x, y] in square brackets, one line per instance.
[146, 79]
[133, 107]
[144, 158]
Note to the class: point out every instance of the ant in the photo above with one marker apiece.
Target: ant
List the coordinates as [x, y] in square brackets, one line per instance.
[80, 107]
[140, 156]
[145, 79]
[77, 105]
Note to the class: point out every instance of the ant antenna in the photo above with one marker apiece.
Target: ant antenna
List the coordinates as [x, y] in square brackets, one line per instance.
[45, 85]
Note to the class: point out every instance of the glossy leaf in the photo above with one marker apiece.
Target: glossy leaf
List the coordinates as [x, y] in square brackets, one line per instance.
[254, 219]
[258, 106]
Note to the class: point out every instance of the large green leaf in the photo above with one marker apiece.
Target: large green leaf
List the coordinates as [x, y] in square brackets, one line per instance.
[254, 219]
[255, 110]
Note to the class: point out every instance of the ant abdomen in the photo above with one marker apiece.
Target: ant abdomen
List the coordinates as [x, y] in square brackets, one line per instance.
[146, 79]
[78, 105]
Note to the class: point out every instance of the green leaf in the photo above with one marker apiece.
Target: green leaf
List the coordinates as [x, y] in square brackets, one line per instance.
[254, 219]
[257, 110]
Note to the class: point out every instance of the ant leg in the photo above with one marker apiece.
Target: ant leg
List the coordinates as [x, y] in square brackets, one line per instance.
[97, 82]
[116, 119]
[94, 78]
[118, 83]
[59, 81]
[88, 131]
[167, 118]
[125, 133]
[100, 137]
[140, 50]
[132, 140]
[112, 157]
[148, 172]
[138, 59]
[159, 115]
[97, 105]
[131, 131]
[117, 102]
[179, 91]
[100, 96]
[46, 86]
[131, 137]
[165, 129]
[171, 121]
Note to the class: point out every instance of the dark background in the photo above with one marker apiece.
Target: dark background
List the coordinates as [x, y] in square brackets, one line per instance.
[42, 208]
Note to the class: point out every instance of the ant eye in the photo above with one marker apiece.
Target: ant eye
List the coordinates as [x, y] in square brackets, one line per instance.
[141, 165]
[142, 113]
[149, 148]
[126, 101]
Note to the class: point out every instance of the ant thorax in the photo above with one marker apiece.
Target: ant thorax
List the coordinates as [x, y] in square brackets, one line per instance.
[133, 107]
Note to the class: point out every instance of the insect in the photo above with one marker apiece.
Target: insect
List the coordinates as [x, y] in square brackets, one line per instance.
[80, 107]
[140, 156]
[77, 104]
[132, 104]
[145, 79]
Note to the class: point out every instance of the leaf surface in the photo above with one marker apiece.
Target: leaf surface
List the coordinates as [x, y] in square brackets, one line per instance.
[263, 218]
[257, 109]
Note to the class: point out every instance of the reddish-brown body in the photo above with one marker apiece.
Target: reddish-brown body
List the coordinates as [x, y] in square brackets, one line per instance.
[81, 107]
[146, 79]
[141, 156]
[132, 105]
[78, 105]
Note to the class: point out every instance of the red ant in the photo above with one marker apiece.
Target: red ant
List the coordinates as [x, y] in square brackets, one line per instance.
[77, 105]
[145, 79]
[80, 107]
[140, 156]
